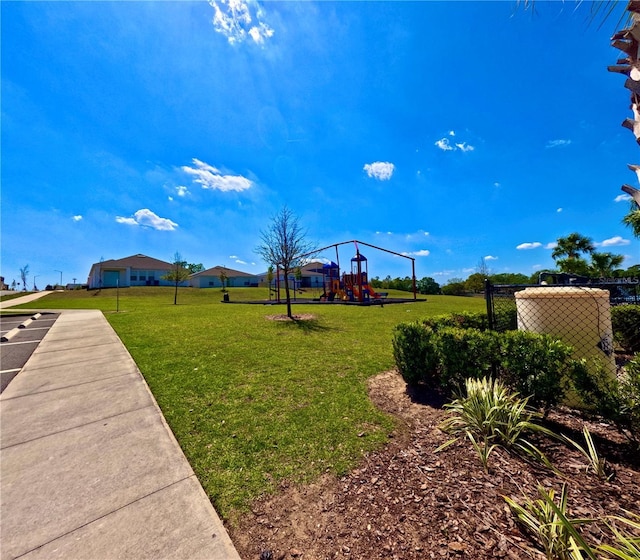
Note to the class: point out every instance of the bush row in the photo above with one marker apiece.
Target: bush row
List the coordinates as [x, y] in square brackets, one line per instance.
[625, 320]
[617, 399]
[443, 356]
[442, 352]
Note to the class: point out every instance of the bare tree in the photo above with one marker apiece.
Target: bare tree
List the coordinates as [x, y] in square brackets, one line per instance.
[24, 272]
[178, 274]
[285, 246]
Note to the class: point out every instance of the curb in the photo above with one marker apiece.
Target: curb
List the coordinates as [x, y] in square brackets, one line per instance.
[13, 332]
[9, 335]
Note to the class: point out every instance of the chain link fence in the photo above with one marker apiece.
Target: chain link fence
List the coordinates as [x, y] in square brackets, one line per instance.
[598, 319]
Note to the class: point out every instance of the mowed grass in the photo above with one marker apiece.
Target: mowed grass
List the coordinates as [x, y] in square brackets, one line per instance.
[251, 400]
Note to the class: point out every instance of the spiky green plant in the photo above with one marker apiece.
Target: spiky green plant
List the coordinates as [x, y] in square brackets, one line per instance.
[597, 464]
[627, 546]
[491, 416]
[548, 522]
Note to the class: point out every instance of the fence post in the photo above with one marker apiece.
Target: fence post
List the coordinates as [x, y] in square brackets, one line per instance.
[488, 296]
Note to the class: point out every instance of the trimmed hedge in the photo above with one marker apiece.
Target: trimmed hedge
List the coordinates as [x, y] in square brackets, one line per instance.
[415, 353]
[442, 357]
[462, 351]
[625, 320]
[536, 365]
[616, 399]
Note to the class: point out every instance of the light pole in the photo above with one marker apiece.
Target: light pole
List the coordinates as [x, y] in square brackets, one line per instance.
[35, 288]
[60, 271]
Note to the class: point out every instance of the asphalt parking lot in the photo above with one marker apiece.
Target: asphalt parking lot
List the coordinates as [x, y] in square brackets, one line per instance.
[15, 352]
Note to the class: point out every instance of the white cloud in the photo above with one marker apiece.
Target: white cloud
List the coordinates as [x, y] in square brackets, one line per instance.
[496, 184]
[419, 233]
[559, 210]
[147, 218]
[527, 246]
[622, 198]
[128, 221]
[261, 32]
[616, 241]
[77, 218]
[446, 146]
[551, 245]
[239, 261]
[420, 253]
[381, 170]
[211, 178]
[233, 256]
[170, 198]
[233, 19]
[557, 143]
[452, 133]
[464, 147]
[182, 191]
[490, 258]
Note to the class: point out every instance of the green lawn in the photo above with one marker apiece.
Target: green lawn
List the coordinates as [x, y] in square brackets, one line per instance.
[253, 401]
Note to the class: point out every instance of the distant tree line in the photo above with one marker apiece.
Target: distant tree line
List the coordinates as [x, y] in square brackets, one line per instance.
[573, 254]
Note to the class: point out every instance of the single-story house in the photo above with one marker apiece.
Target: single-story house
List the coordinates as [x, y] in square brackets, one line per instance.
[310, 276]
[136, 270]
[212, 278]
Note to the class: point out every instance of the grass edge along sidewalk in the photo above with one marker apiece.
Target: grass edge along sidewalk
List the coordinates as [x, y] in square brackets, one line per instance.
[254, 401]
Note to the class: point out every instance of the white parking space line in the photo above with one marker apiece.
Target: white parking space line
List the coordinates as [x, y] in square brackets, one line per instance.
[21, 342]
[10, 370]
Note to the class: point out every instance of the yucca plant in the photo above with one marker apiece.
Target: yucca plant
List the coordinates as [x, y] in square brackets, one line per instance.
[597, 464]
[491, 416]
[548, 522]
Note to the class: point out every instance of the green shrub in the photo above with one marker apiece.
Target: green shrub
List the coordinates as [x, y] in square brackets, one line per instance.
[536, 365]
[464, 353]
[415, 353]
[615, 399]
[625, 320]
[463, 320]
[506, 318]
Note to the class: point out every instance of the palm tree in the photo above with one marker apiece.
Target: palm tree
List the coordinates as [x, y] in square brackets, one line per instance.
[569, 250]
[603, 264]
[632, 219]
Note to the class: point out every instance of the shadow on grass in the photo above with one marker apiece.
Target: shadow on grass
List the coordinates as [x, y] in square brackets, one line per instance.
[305, 325]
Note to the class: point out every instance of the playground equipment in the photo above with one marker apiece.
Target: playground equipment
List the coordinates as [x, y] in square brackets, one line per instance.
[352, 286]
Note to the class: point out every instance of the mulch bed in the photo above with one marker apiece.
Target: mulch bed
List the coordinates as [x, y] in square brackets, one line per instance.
[405, 501]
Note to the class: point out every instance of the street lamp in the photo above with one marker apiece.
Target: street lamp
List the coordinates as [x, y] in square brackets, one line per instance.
[60, 271]
[35, 288]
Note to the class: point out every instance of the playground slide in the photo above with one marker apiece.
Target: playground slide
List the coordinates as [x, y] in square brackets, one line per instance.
[365, 288]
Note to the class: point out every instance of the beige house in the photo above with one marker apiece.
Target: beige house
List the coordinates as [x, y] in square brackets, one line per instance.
[212, 278]
[136, 270]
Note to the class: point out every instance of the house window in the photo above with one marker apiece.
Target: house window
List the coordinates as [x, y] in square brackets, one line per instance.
[143, 277]
[134, 278]
[210, 283]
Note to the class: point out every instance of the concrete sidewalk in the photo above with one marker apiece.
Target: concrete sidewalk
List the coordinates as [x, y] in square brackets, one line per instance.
[22, 299]
[89, 469]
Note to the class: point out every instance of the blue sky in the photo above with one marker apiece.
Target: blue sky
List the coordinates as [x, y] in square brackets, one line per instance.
[449, 131]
